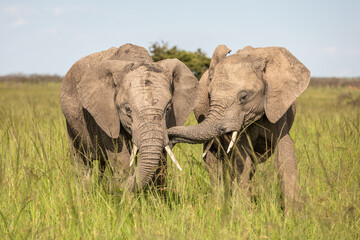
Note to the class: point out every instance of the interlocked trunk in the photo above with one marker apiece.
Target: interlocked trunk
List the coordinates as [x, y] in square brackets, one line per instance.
[210, 128]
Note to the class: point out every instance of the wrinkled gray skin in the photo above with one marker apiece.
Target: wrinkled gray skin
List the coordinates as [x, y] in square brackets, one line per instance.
[119, 97]
[255, 85]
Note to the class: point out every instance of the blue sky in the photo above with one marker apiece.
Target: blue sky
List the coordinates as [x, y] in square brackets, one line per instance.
[49, 36]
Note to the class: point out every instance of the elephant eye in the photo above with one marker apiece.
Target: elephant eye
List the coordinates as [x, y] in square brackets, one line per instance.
[127, 110]
[168, 107]
[243, 96]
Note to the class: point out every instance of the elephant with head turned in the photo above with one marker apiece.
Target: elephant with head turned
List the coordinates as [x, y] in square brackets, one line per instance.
[252, 92]
[118, 98]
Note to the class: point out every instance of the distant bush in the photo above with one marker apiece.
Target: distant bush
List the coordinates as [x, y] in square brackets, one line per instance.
[315, 82]
[159, 53]
[196, 61]
[33, 78]
[335, 82]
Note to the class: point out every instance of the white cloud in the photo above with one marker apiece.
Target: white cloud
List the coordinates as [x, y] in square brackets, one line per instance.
[11, 10]
[58, 11]
[17, 23]
[80, 37]
[16, 15]
[17, 10]
[52, 31]
[330, 50]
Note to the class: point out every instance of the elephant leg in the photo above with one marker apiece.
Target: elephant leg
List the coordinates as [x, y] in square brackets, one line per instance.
[80, 157]
[82, 165]
[244, 177]
[119, 162]
[285, 163]
[117, 158]
[244, 168]
[213, 166]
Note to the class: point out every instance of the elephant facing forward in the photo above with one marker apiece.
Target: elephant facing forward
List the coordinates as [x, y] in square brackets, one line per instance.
[120, 97]
[252, 92]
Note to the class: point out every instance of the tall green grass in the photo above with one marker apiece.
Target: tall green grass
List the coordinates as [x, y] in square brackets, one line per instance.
[41, 198]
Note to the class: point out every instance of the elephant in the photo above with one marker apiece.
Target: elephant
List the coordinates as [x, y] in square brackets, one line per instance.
[252, 92]
[119, 98]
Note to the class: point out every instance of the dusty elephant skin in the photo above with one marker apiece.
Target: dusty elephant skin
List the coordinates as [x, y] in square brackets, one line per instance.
[118, 98]
[252, 92]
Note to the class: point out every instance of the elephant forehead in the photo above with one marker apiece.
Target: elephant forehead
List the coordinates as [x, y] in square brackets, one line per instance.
[236, 75]
[157, 99]
[148, 88]
[147, 77]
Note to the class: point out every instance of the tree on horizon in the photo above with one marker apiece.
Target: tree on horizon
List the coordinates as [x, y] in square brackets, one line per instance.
[196, 61]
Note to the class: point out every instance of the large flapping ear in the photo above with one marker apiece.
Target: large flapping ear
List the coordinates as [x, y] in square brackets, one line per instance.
[219, 54]
[96, 92]
[185, 90]
[285, 78]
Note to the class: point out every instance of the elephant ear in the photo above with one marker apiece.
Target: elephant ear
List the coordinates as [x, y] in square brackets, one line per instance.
[219, 54]
[285, 77]
[185, 91]
[96, 92]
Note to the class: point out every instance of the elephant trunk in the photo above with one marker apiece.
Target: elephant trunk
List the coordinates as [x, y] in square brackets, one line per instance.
[149, 160]
[151, 145]
[211, 127]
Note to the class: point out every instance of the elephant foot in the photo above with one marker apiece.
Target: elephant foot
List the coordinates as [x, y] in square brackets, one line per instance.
[293, 207]
[118, 186]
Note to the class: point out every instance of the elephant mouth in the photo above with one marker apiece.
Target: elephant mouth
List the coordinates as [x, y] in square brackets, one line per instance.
[231, 136]
[127, 128]
[167, 148]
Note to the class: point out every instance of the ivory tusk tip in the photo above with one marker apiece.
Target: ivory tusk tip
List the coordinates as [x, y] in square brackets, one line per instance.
[207, 148]
[133, 154]
[232, 142]
[172, 156]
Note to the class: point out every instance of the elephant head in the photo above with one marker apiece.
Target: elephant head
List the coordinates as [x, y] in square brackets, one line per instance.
[243, 87]
[131, 92]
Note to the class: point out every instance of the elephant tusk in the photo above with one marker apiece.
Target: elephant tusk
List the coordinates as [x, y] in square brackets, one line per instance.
[208, 148]
[133, 154]
[172, 156]
[232, 142]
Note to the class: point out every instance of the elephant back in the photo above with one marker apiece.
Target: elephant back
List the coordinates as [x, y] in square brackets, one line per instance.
[132, 53]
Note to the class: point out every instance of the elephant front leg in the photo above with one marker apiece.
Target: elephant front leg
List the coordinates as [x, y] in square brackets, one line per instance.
[243, 178]
[243, 168]
[285, 163]
[81, 164]
[80, 154]
[117, 160]
[213, 165]
[119, 163]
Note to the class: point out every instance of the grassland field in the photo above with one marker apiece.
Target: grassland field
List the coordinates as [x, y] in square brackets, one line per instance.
[41, 198]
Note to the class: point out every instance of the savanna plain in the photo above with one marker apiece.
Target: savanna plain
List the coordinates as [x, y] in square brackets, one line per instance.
[41, 197]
